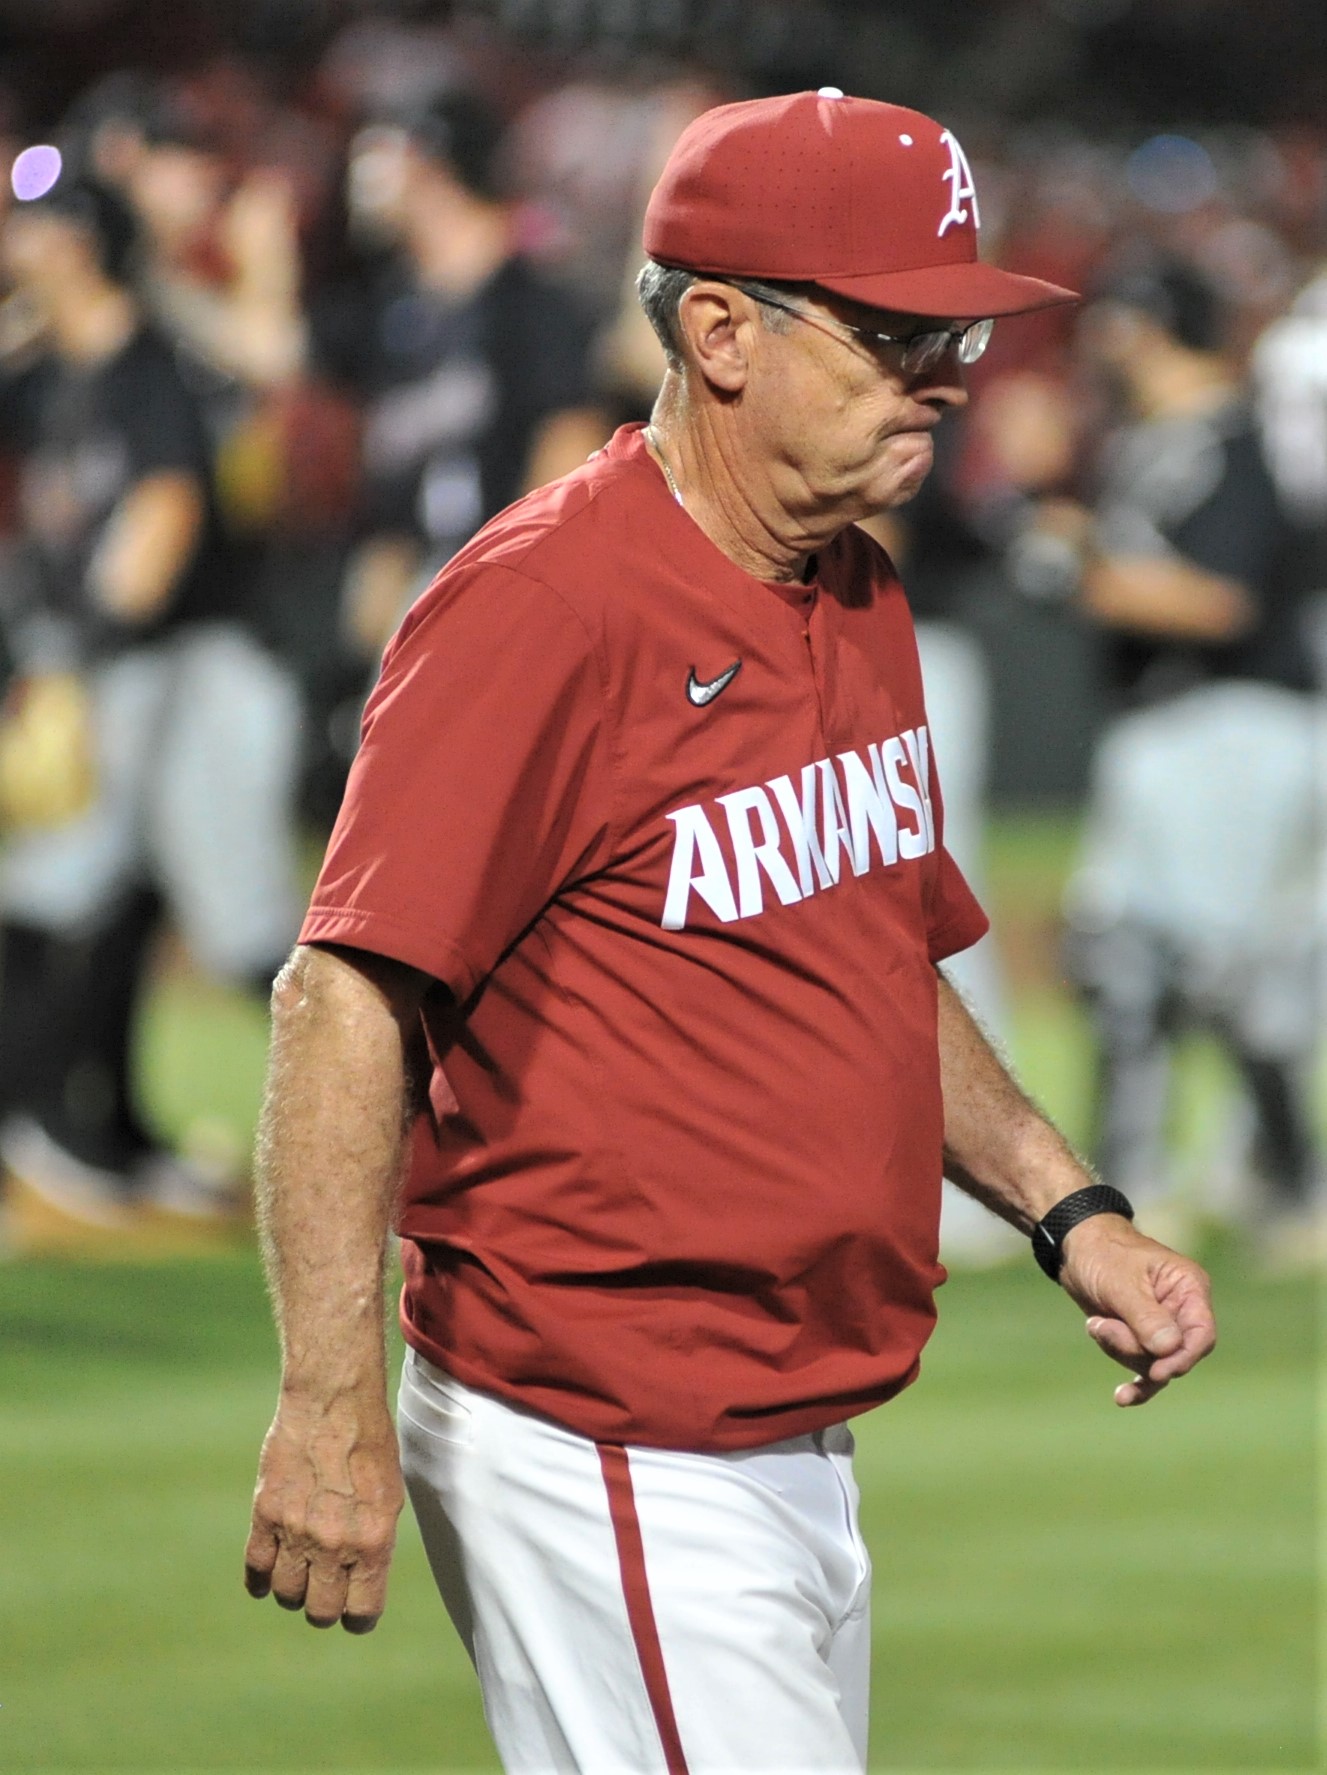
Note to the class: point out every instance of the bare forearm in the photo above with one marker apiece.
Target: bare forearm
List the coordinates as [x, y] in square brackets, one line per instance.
[331, 1146]
[1147, 1307]
[1167, 598]
[148, 544]
[562, 443]
[378, 580]
[330, 1155]
[998, 1145]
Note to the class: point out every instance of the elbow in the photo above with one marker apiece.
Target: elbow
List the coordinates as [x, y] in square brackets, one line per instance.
[334, 982]
[293, 986]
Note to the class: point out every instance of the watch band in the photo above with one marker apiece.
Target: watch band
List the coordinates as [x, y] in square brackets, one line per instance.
[1049, 1233]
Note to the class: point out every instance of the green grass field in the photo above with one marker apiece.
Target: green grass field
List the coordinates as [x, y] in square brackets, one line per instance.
[1059, 1585]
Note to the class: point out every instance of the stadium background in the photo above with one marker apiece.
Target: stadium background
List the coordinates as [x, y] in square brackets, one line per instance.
[1059, 1586]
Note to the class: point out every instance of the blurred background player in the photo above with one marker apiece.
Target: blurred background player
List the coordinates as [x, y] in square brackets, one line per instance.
[228, 244]
[472, 369]
[121, 588]
[1194, 905]
[1289, 369]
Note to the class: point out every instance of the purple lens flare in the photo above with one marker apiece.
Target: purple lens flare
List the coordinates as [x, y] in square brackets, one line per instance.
[35, 172]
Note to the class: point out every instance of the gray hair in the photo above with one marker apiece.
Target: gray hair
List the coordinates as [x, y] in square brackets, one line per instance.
[662, 287]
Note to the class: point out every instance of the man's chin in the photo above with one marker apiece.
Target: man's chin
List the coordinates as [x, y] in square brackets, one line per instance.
[907, 473]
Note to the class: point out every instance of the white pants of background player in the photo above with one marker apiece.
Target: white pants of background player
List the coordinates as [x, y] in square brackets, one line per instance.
[1207, 835]
[643, 1610]
[196, 740]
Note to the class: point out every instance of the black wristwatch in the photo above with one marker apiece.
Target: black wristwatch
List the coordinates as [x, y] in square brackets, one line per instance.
[1049, 1233]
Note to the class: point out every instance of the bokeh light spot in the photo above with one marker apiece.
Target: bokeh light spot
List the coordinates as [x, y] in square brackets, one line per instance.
[34, 172]
[1172, 174]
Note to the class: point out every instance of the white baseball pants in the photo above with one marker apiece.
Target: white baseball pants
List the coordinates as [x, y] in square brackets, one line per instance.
[643, 1610]
[197, 742]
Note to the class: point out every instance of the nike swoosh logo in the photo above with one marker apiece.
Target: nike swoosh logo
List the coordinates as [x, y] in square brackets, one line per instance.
[700, 694]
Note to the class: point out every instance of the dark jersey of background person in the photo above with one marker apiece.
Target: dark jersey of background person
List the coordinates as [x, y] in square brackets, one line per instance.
[453, 392]
[944, 547]
[86, 436]
[1199, 486]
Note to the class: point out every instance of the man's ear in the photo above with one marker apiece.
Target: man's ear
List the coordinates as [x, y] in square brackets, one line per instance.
[716, 322]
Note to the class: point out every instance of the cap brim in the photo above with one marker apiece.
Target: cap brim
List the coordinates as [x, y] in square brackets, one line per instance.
[968, 290]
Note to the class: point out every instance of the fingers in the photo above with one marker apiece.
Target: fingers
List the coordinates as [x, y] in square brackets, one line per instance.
[1118, 1342]
[327, 1576]
[1185, 1294]
[1160, 1347]
[259, 1558]
[326, 1589]
[1188, 1294]
[1150, 1308]
[327, 1585]
[366, 1597]
[1170, 1368]
[1151, 1324]
[290, 1577]
[325, 1595]
[324, 1520]
[1138, 1391]
[355, 1594]
[1140, 1329]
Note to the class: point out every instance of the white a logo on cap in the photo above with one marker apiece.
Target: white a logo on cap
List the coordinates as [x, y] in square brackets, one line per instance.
[961, 188]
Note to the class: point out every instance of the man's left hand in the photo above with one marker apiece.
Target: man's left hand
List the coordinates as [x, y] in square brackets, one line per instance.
[1148, 1307]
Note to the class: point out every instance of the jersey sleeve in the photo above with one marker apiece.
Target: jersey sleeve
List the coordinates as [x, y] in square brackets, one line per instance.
[1238, 530]
[159, 417]
[556, 369]
[954, 917]
[481, 786]
[20, 401]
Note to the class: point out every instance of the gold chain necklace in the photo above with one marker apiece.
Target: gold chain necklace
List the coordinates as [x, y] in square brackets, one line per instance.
[652, 439]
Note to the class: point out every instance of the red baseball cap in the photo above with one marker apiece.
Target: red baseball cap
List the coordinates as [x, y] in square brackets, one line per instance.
[867, 200]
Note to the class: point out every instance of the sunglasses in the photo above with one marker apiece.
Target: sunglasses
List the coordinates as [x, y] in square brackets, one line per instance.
[922, 351]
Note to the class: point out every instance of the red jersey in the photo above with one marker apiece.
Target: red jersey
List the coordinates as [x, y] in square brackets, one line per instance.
[670, 837]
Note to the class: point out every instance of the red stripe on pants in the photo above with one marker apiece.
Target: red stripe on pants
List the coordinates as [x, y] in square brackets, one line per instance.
[640, 1610]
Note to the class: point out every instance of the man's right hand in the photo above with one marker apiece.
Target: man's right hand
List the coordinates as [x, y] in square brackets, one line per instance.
[324, 1511]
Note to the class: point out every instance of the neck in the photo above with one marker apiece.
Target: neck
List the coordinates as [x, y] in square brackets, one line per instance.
[92, 323]
[456, 243]
[731, 498]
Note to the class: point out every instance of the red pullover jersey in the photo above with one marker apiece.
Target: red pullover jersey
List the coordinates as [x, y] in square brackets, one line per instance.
[671, 840]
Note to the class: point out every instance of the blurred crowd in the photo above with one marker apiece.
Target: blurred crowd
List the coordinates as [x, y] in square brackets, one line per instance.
[268, 357]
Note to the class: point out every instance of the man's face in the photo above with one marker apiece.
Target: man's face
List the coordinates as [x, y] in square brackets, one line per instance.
[42, 251]
[838, 411]
[387, 171]
[177, 192]
[1120, 347]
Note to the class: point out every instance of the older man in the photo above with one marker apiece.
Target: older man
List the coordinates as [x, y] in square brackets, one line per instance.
[625, 953]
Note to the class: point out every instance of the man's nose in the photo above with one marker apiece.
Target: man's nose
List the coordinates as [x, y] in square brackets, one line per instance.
[945, 382]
